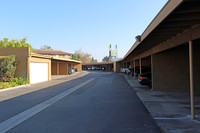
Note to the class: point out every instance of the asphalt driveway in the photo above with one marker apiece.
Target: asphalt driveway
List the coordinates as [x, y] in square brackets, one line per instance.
[96, 102]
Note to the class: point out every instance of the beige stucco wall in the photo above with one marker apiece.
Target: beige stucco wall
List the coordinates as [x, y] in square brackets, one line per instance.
[170, 69]
[78, 67]
[21, 59]
[196, 55]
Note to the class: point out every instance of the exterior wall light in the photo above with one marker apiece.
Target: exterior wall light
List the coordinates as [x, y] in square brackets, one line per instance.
[138, 38]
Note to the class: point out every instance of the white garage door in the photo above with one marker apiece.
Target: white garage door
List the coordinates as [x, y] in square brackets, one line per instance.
[38, 72]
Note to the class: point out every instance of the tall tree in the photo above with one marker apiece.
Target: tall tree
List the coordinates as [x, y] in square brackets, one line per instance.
[46, 47]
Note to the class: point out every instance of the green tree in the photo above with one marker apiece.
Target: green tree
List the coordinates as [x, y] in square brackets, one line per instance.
[15, 43]
[76, 56]
[83, 57]
[105, 59]
[46, 47]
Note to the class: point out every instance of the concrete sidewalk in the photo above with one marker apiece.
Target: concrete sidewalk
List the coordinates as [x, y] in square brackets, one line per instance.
[170, 110]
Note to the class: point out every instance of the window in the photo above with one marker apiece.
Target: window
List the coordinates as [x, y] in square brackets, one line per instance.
[65, 55]
[55, 55]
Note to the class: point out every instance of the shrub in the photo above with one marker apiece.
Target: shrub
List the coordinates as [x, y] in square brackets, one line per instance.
[7, 68]
[20, 81]
[4, 85]
[7, 84]
[14, 82]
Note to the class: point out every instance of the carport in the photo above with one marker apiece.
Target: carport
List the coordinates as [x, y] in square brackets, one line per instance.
[170, 45]
[108, 66]
[60, 66]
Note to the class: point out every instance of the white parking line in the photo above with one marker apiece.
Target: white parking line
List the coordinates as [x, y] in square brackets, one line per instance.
[19, 118]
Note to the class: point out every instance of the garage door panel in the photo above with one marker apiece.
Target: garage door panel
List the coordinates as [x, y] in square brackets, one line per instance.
[38, 72]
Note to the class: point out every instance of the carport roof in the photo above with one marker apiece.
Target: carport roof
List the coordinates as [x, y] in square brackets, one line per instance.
[177, 16]
[53, 58]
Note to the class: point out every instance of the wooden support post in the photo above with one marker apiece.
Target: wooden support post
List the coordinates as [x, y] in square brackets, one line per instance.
[67, 68]
[140, 60]
[49, 70]
[58, 68]
[152, 72]
[134, 68]
[191, 80]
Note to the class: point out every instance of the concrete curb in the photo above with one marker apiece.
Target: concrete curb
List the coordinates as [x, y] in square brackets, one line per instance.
[13, 88]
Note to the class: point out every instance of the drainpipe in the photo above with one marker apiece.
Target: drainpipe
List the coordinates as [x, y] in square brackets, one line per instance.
[191, 79]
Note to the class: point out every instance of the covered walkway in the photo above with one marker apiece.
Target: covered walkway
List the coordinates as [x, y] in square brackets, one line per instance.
[170, 47]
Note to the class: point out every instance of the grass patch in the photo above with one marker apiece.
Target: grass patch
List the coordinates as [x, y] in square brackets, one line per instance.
[14, 82]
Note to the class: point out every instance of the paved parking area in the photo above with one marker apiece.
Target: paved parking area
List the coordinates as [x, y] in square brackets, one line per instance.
[89, 102]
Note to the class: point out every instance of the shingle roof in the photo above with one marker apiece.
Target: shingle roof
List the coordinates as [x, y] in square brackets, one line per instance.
[52, 52]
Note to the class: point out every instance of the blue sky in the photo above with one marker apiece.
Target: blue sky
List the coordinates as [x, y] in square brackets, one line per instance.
[69, 25]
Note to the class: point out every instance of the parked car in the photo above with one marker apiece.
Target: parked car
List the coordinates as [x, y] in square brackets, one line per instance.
[145, 79]
[123, 70]
[144, 70]
[98, 68]
[73, 70]
[127, 71]
[131, 71]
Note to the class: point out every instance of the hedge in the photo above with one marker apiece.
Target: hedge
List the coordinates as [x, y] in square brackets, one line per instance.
[14, 82]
